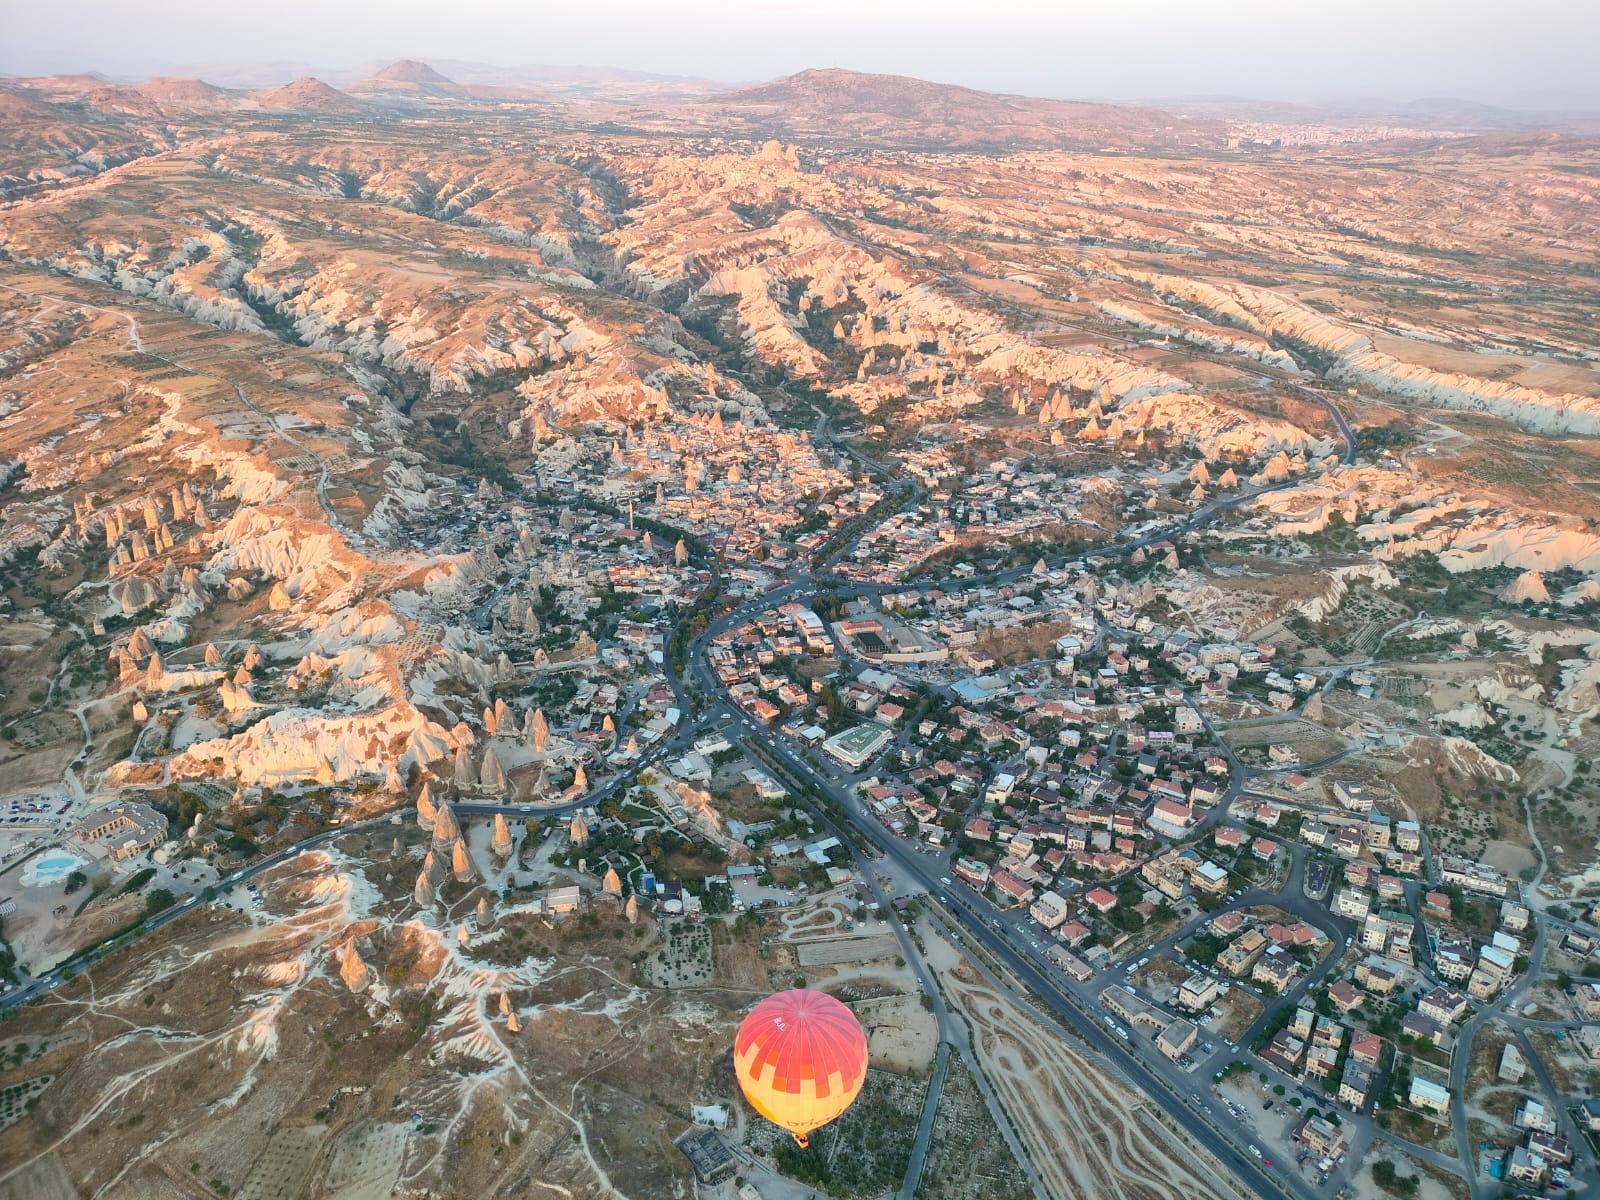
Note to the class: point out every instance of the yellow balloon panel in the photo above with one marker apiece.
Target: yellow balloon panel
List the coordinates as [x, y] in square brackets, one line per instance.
[801, 1058]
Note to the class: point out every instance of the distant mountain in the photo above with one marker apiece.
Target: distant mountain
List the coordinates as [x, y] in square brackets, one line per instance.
[551, 74]
[597, 81]
[1440, 114]
[307, 96]
[409, 72]
[253, 77]
[407, 77]
[173, 92]
[834, 103]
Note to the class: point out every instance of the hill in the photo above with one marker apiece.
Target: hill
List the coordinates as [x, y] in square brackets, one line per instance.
[177, 92]
[407, 77]
[838, 103]
[310, 96]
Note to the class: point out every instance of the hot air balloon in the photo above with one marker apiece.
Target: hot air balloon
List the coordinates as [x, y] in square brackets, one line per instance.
[801, 1058]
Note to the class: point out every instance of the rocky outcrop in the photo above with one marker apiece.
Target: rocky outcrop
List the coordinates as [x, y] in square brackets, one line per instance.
[422, 894]
[353, 970]
[461, 865]
[295, 743]
[1527, 587]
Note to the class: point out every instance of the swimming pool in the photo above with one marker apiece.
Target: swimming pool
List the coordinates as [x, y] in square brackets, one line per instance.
[49, 868]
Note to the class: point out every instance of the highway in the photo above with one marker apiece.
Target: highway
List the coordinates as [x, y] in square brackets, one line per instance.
[1184, 1097]
[979, 921]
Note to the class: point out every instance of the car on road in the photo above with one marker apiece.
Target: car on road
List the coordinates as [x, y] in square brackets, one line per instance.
[1255, 1151]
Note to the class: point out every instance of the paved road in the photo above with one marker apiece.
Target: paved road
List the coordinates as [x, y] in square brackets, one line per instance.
[1181, 1106]
[1466, 1150]
[930, 1108]
[982, 924]
[952, 1032]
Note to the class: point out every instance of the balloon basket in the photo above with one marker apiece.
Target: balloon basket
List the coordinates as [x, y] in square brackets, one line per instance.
[801, 1140]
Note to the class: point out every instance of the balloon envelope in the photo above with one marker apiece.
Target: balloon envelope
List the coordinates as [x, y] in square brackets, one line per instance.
[801, 1057]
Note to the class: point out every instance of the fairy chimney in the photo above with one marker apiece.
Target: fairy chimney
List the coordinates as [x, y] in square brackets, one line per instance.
[461, 863]
[352, 969]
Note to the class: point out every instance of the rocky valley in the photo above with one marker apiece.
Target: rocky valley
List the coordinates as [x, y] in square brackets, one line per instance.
[493, 579]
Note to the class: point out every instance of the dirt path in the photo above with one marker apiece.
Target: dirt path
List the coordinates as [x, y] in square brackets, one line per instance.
[1088, 1135]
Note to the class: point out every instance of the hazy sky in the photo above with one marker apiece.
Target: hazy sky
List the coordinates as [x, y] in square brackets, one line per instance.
[1532, 51]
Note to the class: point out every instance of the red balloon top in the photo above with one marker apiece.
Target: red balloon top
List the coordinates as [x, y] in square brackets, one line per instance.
[804, 1039]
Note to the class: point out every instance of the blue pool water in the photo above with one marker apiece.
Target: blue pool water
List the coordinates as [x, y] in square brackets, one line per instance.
[52, 867]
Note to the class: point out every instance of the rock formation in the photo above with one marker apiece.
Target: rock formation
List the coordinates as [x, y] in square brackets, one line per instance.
[352, 969]
[492, 775]
[461, 863]
[501, 844]
[465, 773]
[433, 869]
[1527, 587]
[422, 894]
[446, 829]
